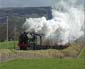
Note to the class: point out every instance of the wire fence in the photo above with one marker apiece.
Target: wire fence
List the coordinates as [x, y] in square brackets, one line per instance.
[14, 31]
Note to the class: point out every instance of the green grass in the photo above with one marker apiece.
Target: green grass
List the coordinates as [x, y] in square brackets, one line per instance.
[11, 45]
[82, 54]
[51, 63]
[44, 63]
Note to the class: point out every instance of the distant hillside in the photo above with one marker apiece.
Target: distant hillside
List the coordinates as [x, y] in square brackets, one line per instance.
[27, 12]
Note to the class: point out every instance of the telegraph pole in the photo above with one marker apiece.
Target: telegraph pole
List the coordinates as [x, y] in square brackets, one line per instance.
[7, 33]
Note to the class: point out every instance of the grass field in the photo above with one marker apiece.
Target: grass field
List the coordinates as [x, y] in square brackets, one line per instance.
[44, 63]
[71, 51]
[51, 63]
[11, 45]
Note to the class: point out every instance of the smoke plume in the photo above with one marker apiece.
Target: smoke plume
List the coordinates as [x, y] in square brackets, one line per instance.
[65, 26]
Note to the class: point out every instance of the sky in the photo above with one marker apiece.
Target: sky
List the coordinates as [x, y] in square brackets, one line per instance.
[28, 3]
[24, 3]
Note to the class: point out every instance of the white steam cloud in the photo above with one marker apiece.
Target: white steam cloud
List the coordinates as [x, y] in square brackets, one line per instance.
[64, 27]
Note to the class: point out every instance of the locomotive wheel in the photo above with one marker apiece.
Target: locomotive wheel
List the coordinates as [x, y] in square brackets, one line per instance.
[23, 48]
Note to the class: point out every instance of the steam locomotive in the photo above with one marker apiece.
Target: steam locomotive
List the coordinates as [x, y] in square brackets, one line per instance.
[34, 41]
[30, 42]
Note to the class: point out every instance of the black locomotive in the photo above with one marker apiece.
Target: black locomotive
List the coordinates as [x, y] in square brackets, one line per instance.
[26, 42]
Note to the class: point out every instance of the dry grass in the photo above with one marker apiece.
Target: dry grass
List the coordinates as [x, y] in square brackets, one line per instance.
[71, 51]
[42, 53]
[6, 51]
